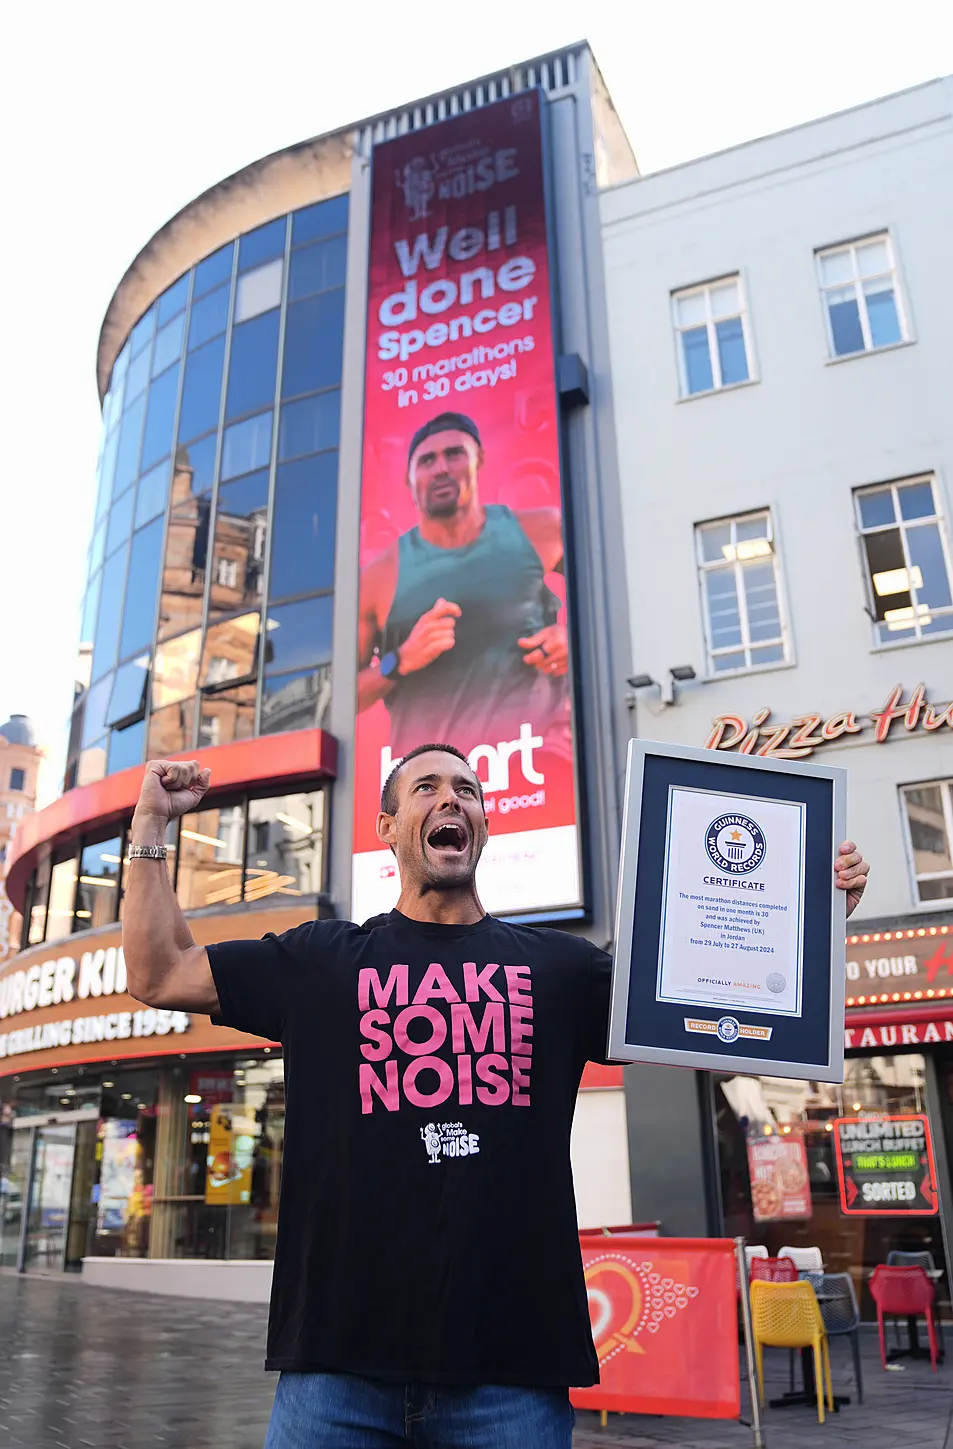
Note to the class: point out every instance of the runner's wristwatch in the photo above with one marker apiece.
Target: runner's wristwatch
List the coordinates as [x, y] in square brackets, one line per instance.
[390, 666]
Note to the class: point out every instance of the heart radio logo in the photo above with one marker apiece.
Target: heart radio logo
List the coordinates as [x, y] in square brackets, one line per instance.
[628, 1300]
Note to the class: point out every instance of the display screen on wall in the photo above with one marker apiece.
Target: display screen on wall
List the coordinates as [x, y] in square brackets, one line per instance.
[463, 635]
[780, 1185]
[885, 1166]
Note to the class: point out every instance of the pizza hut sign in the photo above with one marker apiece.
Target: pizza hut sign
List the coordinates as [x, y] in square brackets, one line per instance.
[807, 732]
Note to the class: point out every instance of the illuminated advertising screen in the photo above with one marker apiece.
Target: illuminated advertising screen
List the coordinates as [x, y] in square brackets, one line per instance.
[885, 1166]
[463, 635]
[780, 1184]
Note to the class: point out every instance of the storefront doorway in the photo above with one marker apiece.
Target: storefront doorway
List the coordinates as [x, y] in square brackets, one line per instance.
[43, 1195]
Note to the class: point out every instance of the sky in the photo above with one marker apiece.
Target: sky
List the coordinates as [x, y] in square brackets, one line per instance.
[115, 115]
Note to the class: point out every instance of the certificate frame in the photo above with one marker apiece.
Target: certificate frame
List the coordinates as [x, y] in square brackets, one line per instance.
[647, 1026]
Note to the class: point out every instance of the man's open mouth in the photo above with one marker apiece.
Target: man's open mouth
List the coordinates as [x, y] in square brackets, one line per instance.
[448, 836]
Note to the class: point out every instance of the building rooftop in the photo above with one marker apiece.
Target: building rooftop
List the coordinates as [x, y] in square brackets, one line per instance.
[19, 730]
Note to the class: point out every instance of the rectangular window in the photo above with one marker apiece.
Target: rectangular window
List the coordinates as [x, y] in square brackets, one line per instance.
[97, 899]
[38, 901]
[906, 559]
[283, 852]
[711, 326]
[861, 296]
[246, 446]
[241, 530]
[17, 778]
[741, 595]
[928, 811]
[258, 291]
[59, 921]
[211, 853]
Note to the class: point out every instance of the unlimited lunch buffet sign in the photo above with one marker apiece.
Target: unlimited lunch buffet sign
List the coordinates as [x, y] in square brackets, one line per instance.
[807, 732]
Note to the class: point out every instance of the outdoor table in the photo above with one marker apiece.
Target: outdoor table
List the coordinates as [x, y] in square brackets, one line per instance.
[795, 1398]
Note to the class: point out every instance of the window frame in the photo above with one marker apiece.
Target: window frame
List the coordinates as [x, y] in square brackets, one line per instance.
[703, 567]
[945, 785]
[901, 525]
[18, 770]
[704, 289]
[857, 282]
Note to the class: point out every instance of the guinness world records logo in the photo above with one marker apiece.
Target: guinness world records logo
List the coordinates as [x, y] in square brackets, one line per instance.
[735, 844]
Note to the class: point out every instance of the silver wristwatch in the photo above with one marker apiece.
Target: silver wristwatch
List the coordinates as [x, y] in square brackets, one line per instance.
[148, 852]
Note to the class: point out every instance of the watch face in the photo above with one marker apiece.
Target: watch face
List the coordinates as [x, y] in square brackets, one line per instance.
[389, 662]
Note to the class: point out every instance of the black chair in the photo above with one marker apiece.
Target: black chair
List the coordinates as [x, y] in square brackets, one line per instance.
[841, 1315]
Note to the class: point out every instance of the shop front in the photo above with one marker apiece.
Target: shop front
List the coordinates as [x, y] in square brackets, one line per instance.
[861, 1170]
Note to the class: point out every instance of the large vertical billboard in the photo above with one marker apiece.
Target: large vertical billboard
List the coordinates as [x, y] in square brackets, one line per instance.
[463, 635]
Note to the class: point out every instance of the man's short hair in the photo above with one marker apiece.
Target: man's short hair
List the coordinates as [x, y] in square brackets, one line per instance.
[444, 423]
[389, 792]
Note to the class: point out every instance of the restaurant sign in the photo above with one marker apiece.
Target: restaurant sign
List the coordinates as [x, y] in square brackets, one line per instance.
[885, 1166]
[807, 732]
[909, 965]
[780, 1185]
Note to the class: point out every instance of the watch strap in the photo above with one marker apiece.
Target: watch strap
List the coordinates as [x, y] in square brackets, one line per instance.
[148, 852]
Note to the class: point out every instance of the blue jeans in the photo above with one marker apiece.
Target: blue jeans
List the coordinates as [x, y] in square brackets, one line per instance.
[342, 1411]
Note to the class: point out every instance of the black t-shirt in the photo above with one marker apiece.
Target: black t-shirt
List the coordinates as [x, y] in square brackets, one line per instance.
[427, 1226]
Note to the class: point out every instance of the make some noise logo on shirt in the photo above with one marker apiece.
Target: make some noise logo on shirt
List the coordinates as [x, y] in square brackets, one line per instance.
[449, 1139]
[473, 1045]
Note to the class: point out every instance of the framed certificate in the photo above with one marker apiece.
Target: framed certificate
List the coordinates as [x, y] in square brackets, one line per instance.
[730, 932]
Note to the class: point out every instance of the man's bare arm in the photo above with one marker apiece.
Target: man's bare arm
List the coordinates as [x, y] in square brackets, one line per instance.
[164, 966]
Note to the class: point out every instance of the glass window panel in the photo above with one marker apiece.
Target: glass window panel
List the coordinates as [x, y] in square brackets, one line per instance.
[284, 847]
[252, 365]
[112, 406]
[94, 718]
[176, 669]
[128, 695]
[107, 473]
[194, 470]
[183, 573]
[227, 715]
[152, 493]
[202, 390]
[38, 900]
[59, 920]
[916, 500]
[691, 310]
[317, 268]
[127, 457]
[209, 317]
[322, 219]
[936, 623]
[110, 612]
[936, 890]
[932, 848]
[142, 332]
[173, 300]
[716, 543]
[882, 315]
[259, 291]
[873, 257]
[725, 299]
[845, 322]
[170, 730]
[120, 522]
[302, 550]
[92, 764]
[731, 351]
[310, 425]
[298, 701]
[261, 244]
[211, 856]
[894, 629]
[241, 526]
[231, 649]
[876, 508]
[837, 268]
[314, 339]
[125, 747]
[698, 373]
[138, 619]
[723, 662]
[761, 601]
[723, 614]
[137, 377]
[767, 654]
[168, 345]
[160, 417]
[888, 571]
[120, 365]
[750, 528]
[97, 896]
[97, 549]
[299, 634]
[90, 605]
[930, 577]
[213, 271]
[246, 446]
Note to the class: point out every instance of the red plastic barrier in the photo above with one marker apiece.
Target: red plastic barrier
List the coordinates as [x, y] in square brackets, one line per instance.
[664, 1322]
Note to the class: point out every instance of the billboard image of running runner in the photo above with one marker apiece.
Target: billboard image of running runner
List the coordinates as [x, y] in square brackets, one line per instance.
[463, 633]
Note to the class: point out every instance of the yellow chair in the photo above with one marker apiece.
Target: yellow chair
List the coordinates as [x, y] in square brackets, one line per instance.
[787, 1315]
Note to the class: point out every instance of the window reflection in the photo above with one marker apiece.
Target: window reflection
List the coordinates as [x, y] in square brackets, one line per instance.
[92, 764]
[94, 721]
[310, 425]
[208, 318]
[238, 562]
[202, 389]
[261, 244]
[120, 522]
[211, 845]
[38, 902]
[59, 919]
[227, 715]
[194, 470]
[152, 493]
[183, 574]
[107, 623]
[246, 446]
[298, 701]
[302, 550]
[253, 362]
[168, 345]
[172, 301]
[176, 669]
[97, 897]
[299, 634]
[127, 699]
[127, 456]
[283, 853]
[171, 729]
[142, 332]
[139, 613]
[259, 291]
[314, 339]
[213, 271]
[321, 219]
[317, 268]
[125, 747]
[231, 649]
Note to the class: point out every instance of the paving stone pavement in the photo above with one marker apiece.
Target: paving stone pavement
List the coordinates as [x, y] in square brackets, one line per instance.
[90, 1368]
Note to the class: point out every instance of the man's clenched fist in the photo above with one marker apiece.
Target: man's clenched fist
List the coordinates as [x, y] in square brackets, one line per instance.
[170, 788]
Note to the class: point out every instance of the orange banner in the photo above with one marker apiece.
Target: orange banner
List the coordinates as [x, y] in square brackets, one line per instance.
[665, 1326]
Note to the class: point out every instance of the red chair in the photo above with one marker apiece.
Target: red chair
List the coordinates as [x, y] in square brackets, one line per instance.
[904, 1293]
[772, 1270]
